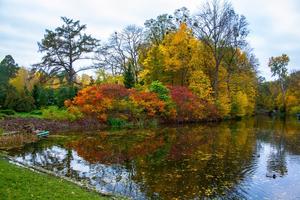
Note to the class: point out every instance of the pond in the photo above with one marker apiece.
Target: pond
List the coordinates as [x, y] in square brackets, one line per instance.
[255, 158]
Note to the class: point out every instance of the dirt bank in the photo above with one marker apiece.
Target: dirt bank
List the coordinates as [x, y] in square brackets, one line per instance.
[22, 124]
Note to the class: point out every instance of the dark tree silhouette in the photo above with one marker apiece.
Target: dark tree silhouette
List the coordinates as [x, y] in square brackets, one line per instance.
[63, 47]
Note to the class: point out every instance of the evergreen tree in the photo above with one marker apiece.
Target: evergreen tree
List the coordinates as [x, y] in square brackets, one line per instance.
[8, 70]
[63, 47]
[129, 76]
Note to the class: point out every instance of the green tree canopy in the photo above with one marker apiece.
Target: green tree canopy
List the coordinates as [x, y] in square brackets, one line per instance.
[129, 76]
[8, 69]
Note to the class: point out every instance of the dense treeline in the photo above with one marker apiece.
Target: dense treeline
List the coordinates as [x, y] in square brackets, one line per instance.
[270, 98]
[23, 93]
[177, 67]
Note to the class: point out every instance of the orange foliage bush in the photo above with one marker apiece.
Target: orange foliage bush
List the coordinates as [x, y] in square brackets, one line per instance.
[96, 100]
[111, 100]
[147, 102]
[115, 101]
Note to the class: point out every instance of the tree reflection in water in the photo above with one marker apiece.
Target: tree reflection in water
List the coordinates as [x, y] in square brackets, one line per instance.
[277, 159]
[187, 162]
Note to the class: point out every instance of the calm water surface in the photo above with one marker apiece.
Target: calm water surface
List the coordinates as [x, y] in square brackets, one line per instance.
[257, 158]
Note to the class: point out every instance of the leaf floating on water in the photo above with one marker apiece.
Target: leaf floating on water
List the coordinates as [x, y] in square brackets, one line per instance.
[206, 157]
[208, 192]
[209, 176]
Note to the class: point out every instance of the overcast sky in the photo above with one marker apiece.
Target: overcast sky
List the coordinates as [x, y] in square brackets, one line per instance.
[274, 24]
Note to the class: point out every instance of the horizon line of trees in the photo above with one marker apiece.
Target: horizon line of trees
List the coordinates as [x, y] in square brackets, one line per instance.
[207, 53]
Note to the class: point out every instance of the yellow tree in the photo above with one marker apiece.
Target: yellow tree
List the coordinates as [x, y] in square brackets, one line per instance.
[223, 100]
[201, 85]
[293, 93]
[180, 60]
[278, 67]
[241, 79]
[23, 80]
[154, 67]
[181, 55]
[85, 80]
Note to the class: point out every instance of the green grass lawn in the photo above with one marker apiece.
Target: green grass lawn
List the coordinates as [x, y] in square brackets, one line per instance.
[17, 183]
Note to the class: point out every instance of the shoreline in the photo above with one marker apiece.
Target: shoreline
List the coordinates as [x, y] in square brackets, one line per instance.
[20, 124]
[76, 189]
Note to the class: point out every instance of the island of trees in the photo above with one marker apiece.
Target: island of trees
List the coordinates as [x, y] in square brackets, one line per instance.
[176, 68]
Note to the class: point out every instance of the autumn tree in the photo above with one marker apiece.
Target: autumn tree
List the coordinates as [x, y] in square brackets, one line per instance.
[153, 65]
[243, 79]
[24, 79]
[278, 67]
[63, 48]
[220, 28]
[179, 50]
[173, 61]
[270, 95]
[293, 93]
[85, 80]
[201, 85]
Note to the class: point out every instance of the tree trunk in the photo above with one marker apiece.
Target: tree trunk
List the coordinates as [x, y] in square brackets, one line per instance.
[70, 77]
[216, 81]
[228, 86]
[283, 96]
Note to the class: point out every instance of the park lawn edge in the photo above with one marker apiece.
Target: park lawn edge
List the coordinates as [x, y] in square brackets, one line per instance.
[19, 183]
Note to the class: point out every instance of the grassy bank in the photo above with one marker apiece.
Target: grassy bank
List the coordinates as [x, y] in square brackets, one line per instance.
[22, 184]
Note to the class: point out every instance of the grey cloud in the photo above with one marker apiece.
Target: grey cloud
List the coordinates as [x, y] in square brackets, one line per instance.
[273, 23]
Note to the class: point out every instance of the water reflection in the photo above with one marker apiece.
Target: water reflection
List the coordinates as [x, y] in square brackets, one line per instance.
[229, 160]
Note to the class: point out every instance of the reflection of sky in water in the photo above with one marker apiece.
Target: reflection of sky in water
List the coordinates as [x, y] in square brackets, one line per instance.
[117, 179]
[259, 186]
[190, 157]
[111, 179]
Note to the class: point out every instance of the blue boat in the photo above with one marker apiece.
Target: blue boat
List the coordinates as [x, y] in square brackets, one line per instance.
[41, 134]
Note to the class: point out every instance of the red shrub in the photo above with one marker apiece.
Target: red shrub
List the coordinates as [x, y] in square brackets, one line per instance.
[114, 91]
[189, 106]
